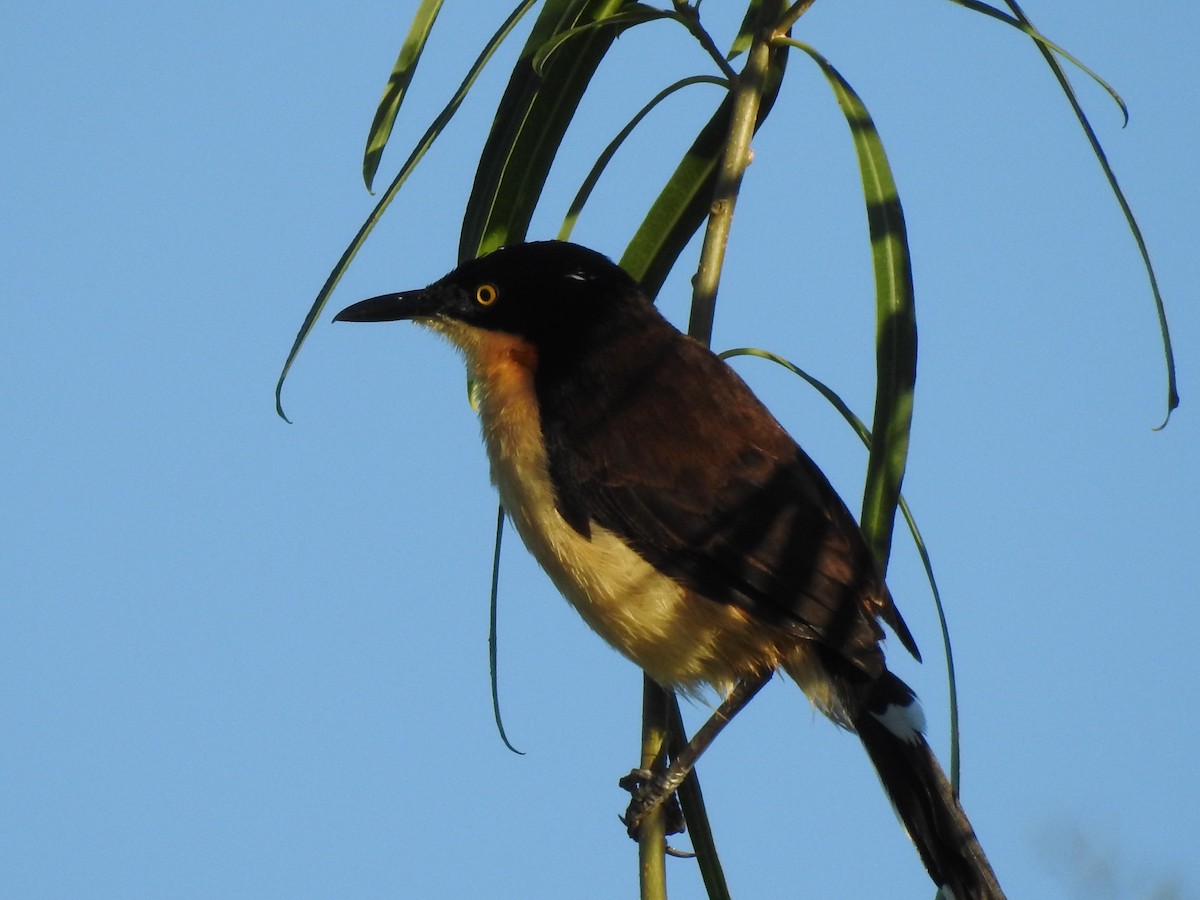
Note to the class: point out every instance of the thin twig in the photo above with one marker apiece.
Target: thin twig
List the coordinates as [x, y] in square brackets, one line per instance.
[689, 17]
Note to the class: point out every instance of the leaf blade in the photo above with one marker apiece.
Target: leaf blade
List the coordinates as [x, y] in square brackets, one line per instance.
[530, 122]
[679, 210]
[606, 155]
[426, 141]
[895, 317]
[1101, 157]
[397, 85]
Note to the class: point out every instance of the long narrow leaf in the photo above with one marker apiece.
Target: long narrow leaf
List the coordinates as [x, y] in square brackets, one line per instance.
[1045, 44]
[895, 317]
[741, 41]
[636, 14]
[1159, 306]
[426, 141]
[393, 94]
[683, 204]
[493, 639]
[593, 176]
[532, 117]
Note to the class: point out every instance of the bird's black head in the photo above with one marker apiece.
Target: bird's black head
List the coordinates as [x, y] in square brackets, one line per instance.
[548, 293]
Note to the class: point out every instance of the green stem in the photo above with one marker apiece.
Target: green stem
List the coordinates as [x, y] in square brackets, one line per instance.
[747, 91]
[652, 838]
[747, 94]
[788, 19]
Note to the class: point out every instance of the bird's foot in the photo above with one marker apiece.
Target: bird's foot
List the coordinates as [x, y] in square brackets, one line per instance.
[650, 790]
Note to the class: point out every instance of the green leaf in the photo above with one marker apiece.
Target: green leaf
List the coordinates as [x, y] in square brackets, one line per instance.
[530, 122]
[1135, 230]
[393, 94]
[895, 317]
[622, 21]
[745, 36]
[431, 134]
[683, 204]
[593, 176]
[1044, 44]
[493, 607]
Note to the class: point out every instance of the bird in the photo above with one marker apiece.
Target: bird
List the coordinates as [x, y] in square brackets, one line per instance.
[677, 516]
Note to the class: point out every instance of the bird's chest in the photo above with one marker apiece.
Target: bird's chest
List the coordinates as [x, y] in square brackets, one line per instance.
[646, 615]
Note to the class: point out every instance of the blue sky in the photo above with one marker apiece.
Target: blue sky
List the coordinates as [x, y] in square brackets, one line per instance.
[240, 658]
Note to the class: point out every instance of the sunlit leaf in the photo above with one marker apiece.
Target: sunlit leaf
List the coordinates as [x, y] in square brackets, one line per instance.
[684, 202]
[741, 41]
[393, 94]
[895, 317]
[531, 119]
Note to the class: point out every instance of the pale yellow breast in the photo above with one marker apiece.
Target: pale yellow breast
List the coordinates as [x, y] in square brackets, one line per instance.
[679, 639]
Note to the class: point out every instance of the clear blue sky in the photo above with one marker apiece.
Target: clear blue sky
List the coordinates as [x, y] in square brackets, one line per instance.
[243, 659]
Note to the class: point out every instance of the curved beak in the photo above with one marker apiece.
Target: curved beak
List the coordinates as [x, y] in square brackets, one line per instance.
[390, 308]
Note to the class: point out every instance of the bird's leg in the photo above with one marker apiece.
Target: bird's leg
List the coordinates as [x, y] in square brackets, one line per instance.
[651, 789]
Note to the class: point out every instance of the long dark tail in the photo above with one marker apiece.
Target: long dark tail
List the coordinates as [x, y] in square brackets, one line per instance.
[889, 724]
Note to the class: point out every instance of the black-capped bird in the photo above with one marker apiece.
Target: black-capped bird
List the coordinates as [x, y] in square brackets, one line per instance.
[677, 516]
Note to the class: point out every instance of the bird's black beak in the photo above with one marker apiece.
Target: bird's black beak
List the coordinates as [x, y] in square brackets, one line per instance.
[391, 308]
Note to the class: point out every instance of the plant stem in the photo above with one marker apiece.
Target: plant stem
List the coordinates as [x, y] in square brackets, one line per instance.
[788, 19]
[747, 94]
[689, 16]
[748, 91]
[652, 838]
[691, 800]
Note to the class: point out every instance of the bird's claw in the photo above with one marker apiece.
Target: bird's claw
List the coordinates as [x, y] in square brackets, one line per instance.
[649, 791]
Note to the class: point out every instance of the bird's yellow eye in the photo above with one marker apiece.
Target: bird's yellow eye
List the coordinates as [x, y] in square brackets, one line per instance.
[486, 294]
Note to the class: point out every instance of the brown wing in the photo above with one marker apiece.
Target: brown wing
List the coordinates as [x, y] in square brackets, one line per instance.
[710, 489]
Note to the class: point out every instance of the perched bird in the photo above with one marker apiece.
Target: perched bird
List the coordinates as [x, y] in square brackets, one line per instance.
[673, 511]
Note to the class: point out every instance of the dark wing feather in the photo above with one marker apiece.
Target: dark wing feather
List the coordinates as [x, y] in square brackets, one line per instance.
[711, 489]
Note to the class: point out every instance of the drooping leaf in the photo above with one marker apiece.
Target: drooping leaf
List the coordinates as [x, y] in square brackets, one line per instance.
[1134, 228]
[593, 176]
[393, 94]
[1045, 44]
[895, 317]
[426, 141]
[493, 632]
